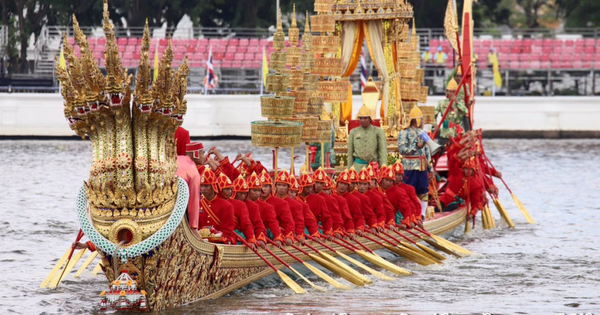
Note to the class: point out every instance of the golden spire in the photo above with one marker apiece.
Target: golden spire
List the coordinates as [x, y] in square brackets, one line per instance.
[307, 24]
[279, 36]
[294, 23]
[143, 77]
[114, 70]
[161, 89]
[279, 23]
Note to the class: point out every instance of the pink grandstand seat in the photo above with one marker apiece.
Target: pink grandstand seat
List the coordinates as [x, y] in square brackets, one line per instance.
[506, 43]
[589, 49]
[201, 48]
[545, 65]
[524, 65]
[202, 42]
[128, 55]
[434, 42]
[229, 56]
[238, 56]
[258, 56]
[513, 65]
[71, 41]
[242, 48]
[121, 48]
[547, 42]
[569, 50]
[248, 56]
[122, 41]
[516, 49]
[580, 42]
[162, 42]
[537, 42]
[178, 56]
[218, 55]
[191, 49]
[195, 64]
[590, 42]
[590, 65]
[513, 57]
[197, 56]
[577, 64]
[253, 49]
[536, 49]
[232, 49]
[132, 41]
[566, 64]
[137, 55]
[130, 48]
[193, 42]
[97, 55]
[544, 57]
[234, 42]
[569, 43]
[524, 57]
[535, 64]
[263, 42]
[496, 42]
[226, 64]
[505, 50]
[527, 42]
[526, 49]
[253, 42]
[243, 42]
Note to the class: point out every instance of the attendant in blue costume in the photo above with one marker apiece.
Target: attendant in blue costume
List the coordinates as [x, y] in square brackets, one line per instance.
[415, 156]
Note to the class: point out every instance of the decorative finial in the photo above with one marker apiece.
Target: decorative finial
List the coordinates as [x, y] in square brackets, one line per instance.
[279, 23]
[307, 24]
[294, 23]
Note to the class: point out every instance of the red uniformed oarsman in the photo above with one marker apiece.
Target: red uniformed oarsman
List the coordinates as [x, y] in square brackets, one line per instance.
[329, 189]
[240, 193]
[267, 212]
[310, 222]
[364, 182]
[409, 191]
[390, 213]
[243, 226]
[365, 202]
[316, 203]
[396, 196]
[215, 211]
[282, 187]
[282, 209]
[320, 179]
[343, 187]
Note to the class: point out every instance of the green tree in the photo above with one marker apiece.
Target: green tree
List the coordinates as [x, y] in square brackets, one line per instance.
[580, 13]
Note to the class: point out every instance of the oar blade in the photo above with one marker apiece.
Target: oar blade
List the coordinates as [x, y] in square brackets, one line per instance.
[378, 261]
[301, 276]
[347, 268]
[365, 267]
[503, 213]
[407, 254]
[325, 277]
[337, 270]
[418, 251]
[443, 248]
[522, 208]
[454, 246]
[86, 263]
[61, 276]
[56, 268]
[430, 251]
[290, 283]
[97, 269]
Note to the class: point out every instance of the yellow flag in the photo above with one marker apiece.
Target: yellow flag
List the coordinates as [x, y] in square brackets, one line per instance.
[265, 67]
[61, 59]
[155, 74]
[451, 25]
[496, 70]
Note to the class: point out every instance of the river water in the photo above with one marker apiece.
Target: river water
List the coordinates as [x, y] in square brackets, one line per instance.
[551, 267]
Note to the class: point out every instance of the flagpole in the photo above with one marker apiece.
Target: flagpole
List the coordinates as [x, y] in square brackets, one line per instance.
[262, 73]
[207, 77]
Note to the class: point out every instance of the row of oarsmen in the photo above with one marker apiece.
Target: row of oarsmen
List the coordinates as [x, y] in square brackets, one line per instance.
[284, 210]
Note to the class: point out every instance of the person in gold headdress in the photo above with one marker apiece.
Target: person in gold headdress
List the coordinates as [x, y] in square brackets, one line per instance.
[456, 115]
[366, 143]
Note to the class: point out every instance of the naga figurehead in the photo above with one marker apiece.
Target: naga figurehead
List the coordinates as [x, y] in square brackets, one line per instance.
[132, 188]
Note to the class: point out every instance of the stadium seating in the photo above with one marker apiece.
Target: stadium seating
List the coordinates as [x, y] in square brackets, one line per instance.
[513, 54]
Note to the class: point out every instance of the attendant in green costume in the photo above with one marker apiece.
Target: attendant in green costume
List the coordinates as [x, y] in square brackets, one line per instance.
[366, 143]
[456, 114]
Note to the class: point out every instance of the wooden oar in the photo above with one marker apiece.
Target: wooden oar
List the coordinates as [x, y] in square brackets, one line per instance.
[374, 259]
[288, 266]
[70, 265]
[503, 212]
[66, 256]
[287, 280]
[97, 269]
[456, 247]
[491, 221]
[337, 267]
[300, 261]
[317, 271]
[514, 197]
[403, 251]
[354, 276]
[435, 244]
[86, 263]
[430, 252]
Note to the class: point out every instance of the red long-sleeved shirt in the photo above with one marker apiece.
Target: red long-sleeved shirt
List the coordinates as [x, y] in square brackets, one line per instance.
[367, 209]
[355, 211]
[242, 220]
[260, 232]
[267, 213]
[297, 215]
[337, 221]
[378, 208]
[284, 216]
[345, 212]
[219, 214]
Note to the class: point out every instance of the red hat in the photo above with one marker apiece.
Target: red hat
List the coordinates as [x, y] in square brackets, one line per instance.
[283, 177]
[397, 167]
[387, 172]
[306, 180]
[294, 186]
[265, 178]
[344, 177]
[224, 182]
[352, 174]
[240, 185]
[253, 181]
[194, 147]
[373, 173]
[329, 184]
[363, 176]
[208, 178]
[320, 175]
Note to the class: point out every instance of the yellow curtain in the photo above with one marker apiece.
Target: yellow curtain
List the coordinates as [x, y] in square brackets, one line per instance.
[375, 39]
[346, 107]
[359, 37]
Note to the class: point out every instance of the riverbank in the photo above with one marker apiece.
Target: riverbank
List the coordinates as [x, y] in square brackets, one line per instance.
[40, 116]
